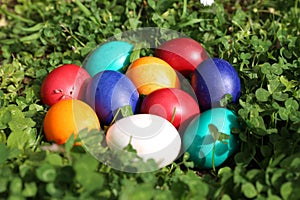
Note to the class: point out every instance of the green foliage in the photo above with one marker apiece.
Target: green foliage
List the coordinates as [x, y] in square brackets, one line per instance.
[259, 38]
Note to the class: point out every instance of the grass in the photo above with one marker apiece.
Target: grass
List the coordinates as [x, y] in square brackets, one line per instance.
[259, 38]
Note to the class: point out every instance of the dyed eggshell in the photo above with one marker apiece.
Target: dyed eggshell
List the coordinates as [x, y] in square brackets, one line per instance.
[67, 117]
[213, 79]
[151, 73]
[183, 54]
[108, 91]
[64, 82]
[114, 55]
[198, 140]
[153, 137]
[173, 104]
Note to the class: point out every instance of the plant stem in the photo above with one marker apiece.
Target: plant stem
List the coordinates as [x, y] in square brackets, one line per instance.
[173, 115]
[16, 17]
[213, 157]
[184, 8]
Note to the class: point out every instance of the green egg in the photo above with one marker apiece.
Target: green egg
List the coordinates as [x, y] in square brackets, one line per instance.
[208, 138]
[114, 55]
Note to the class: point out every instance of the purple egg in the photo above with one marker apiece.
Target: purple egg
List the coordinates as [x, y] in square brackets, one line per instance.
[212, 80]
[108, 91]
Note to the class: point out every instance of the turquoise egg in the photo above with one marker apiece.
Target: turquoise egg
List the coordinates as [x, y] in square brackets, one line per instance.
[209, 136]
[114, 55]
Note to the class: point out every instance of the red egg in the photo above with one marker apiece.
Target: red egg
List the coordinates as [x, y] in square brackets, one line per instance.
[64, 82]
[173, 104]
[183, 54]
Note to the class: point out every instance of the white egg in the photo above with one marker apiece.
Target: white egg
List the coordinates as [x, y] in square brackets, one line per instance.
[153, 137]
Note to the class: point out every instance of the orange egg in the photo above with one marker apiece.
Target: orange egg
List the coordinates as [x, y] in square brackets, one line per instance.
[67, 117]
[152, 73]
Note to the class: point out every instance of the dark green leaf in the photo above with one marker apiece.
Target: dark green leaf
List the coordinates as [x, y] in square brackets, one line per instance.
[292, 161]
[266, 150]
[242, 158]
[3, 184]
[4, 153]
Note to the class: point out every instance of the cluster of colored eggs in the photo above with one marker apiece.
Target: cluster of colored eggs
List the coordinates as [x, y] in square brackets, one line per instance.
[166, 120]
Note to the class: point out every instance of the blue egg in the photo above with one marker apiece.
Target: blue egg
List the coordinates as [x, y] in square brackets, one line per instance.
[212, 80]
[199, 142]
[114, 55]
[108, 91]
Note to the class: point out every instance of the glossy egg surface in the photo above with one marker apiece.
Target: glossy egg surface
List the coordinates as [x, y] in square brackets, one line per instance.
[153, 137]
[108, 91]
[213, 79]
[173, 104]
[183, 54]
[151, 73]
[64, 82]
[203, 133]
[113, 55]
[67, 117]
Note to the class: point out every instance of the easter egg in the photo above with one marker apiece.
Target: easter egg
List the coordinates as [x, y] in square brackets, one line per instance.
[151, 73]
[183, 54]
[64, 82]
[67, 117]
[108, 91]
[213, 79]
[114, 55]
[173, 104]
[208, 137]
[153, 137]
